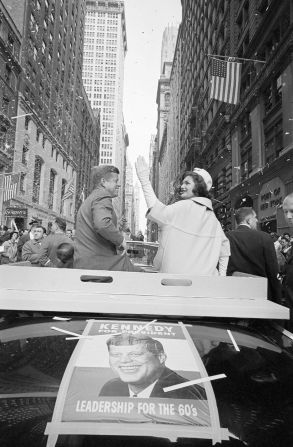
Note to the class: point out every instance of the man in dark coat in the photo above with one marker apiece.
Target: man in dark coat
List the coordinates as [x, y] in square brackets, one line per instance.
[253, 252]
[288, 268]
[97, 237]
[4, 234]
[139, 360]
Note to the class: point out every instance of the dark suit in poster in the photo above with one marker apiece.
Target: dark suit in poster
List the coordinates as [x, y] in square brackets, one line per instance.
[116, 387]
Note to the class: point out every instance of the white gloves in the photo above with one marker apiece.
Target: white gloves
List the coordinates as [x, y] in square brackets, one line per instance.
[142, 171]
[223, 264]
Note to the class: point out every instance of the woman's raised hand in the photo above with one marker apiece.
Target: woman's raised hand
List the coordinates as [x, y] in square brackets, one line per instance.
[142, 169]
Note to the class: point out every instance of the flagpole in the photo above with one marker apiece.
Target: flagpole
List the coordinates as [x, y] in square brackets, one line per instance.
[235, 57]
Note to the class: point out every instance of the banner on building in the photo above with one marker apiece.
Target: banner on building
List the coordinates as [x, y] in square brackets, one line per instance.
[16, 212]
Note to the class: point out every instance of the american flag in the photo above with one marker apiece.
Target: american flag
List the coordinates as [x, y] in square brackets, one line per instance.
[10, 186]
[69, 191]
[225, 84]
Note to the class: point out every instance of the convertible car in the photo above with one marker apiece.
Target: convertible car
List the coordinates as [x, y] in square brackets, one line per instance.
[219, 336]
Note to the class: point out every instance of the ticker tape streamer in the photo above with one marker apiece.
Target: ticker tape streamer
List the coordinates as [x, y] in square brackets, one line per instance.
[65, 332]
[233, 340]
[284, 331]
[80, 338]
[61, 318]
[194, 382]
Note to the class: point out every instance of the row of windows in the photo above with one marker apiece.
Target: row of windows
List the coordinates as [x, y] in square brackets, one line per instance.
[102, 14]
[106, 153]
[106, 161]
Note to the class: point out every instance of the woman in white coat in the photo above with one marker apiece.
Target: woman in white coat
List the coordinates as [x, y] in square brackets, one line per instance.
[191, 238]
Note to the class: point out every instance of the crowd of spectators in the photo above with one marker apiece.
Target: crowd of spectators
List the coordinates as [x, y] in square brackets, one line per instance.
[38, 246]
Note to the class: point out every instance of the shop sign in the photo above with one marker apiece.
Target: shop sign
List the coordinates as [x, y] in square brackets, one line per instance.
[16, 212]
[112, 361]
[270, 198]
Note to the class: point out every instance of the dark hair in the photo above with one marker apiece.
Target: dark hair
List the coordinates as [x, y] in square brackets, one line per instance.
[286, 236]
[242, 213]
[65, 251]
[102, 171]
[61, 223]
[126, 339]
[274, 236]
[200, 187]
[40, 226]
[12, 233]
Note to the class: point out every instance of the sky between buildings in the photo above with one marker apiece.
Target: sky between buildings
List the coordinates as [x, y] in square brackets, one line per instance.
[145, 24]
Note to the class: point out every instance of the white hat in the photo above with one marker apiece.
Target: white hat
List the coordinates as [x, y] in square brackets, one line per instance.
[206, 176]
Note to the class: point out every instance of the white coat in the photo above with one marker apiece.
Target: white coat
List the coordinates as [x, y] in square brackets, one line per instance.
[191, 237]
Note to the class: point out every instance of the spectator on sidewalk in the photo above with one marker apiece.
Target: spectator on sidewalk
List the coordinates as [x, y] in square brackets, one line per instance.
[288, 269]
[31, 249]
[253, 252]
[48, 255]
[9, 254]
[26, 237]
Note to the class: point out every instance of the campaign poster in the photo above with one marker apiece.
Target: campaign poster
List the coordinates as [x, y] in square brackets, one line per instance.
[123, 371]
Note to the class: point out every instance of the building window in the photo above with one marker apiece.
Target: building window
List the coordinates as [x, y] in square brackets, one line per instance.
[10, 42]
[273, 141]
[22, 182]
[24, 158]
[7, 75]
[51, 189]
[63, 186]
[5, 105]
[37, 179]
[246, 162]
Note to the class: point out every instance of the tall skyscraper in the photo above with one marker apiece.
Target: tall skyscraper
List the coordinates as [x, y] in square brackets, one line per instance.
[168, 44]
[105, 47]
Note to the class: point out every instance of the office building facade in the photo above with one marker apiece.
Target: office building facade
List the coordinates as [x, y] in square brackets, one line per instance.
[247, 147]
[10, 70]
[48, 153]
[105, 47]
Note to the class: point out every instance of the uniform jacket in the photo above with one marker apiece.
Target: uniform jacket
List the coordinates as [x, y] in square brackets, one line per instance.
[48, 256]
[116, 387]
[21, 241]
[31, 251]
[97, 236]
[254, 252]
